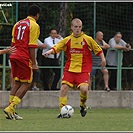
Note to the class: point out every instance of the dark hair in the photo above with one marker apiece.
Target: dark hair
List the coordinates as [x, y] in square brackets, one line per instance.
[33, 10]
[53, 29]
[118, 33]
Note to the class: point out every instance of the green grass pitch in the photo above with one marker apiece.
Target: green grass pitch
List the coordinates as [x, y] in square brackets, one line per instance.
[97, 119]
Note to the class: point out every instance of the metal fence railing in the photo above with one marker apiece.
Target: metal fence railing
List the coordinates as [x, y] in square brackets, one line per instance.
[119, 69]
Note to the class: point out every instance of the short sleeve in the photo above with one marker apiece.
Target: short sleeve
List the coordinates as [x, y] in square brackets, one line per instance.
[34, 34]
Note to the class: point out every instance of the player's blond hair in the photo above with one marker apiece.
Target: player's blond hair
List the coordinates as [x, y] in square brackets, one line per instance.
[77, 20]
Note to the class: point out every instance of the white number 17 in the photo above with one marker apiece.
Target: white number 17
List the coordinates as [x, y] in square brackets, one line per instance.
[21, 30]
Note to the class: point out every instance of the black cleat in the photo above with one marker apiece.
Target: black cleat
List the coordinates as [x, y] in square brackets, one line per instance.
[83, 111]
[59, 116]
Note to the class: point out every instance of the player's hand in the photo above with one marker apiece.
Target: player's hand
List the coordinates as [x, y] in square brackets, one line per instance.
[10, 50]
[35, 67]
[49, 52]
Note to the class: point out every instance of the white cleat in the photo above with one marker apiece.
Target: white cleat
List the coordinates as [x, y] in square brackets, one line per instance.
[17, 117]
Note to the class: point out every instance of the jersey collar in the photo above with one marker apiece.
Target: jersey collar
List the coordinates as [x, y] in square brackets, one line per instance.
[31, 18]
[79, 35]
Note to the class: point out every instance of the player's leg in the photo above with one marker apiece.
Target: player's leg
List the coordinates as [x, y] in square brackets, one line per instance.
[19, 94]
[17, 84]
[63, 97]
[24, 76]
[17, 98]
[106, 78]
[11, 97]
[9, 112]
[67, 81]
[82, 84]
[12, 94]
[83, 99]
[83, 95]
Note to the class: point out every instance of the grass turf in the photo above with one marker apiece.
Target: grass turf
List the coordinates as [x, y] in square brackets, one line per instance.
[45, 120]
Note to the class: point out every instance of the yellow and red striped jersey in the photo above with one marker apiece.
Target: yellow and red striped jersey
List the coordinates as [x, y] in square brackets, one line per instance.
[78, 52]
[24, 35]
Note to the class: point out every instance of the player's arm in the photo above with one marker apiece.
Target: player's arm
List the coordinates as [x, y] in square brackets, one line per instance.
[103, 62]
[98, 51]
[49, 52]
[33, 58]
[32, 55]
[8, 50]
[57, 48]
[34, 34]
[3, 51]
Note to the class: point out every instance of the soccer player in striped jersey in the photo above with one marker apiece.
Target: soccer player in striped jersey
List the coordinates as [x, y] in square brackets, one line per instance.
[25, 34]
[78, 47]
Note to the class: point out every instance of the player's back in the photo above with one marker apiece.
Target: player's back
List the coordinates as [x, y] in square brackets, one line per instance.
[20, 39]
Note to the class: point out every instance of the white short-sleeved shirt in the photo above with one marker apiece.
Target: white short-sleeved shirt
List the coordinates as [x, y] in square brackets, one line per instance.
[49, 42]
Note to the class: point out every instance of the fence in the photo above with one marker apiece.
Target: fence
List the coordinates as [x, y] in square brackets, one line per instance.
[109, 17]
[119, 69]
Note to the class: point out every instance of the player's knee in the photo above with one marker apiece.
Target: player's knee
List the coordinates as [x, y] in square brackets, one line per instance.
[84, 89]
[64, 90]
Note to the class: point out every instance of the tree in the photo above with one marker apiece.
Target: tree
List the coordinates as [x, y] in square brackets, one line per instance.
[63, 18]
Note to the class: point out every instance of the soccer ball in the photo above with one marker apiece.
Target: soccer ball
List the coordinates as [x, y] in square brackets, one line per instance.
[67, 111]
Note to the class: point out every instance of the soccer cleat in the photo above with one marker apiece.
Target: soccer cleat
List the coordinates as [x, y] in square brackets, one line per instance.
[17, 117]
[9, 114]
[83, 111]
[59, 116]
